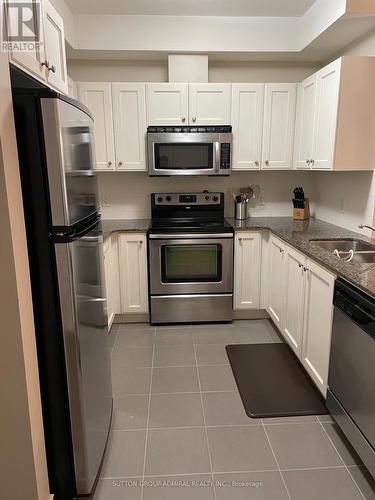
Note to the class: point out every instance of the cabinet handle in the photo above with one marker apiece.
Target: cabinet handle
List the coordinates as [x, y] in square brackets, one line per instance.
[240, 240]
[120, 163]
[312, 162]
[110, 164]
[52, 68]
[308, 162]
[267, 163]
[183, 120]
[300, 265]
[194, 119]
[256, 163]
[305, 269]
[45, 63]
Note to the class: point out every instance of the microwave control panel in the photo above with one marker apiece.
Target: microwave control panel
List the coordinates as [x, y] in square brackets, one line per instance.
[224, 156]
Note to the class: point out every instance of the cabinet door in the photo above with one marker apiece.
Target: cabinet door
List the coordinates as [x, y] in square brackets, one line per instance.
[304, 135]
[167, 103]
[133, 273]
[328, 84]
[318, 323]
[111, 270]
[278, 126]
[30, 61]
[276, 280]
[107, 254]
[247, 265]
[247, 122]
[98, 98]
[209, 103]
[292, 330]
[55, 48]
[129, 109]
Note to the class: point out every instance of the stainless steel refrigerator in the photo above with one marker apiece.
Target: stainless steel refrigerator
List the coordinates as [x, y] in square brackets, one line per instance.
[55, 145]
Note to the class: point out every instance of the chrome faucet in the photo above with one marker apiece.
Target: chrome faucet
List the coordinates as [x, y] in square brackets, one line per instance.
[364, 226]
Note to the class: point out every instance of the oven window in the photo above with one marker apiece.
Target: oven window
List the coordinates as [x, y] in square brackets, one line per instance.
[191, 263]
[182, 156]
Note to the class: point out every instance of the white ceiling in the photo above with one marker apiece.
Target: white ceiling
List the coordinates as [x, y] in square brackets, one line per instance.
[277, 8]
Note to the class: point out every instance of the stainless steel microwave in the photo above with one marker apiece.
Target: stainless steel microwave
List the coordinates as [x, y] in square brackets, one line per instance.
[189, 150]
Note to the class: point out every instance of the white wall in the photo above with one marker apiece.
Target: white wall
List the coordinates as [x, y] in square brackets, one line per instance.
[128, 194]
[157, 71]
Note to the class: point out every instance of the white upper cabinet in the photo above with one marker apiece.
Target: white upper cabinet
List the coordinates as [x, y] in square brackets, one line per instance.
[276, 280]
[129, 110]
[247, 267]
[31, 61]
[48, 64]
[210, 103]
[292, 328]
[278, 125]
[98, 99]
[247, 123]
[167, 104]
[306, 100]
[318, 323]
[325, 119]
[55, 48]
[335, 122]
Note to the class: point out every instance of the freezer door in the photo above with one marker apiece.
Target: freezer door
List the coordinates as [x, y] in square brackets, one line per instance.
[69, 137]
[87, 351]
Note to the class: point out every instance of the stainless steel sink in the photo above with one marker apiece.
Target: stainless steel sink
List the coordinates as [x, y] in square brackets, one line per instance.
[344, 245]
[363, 253]
[364, 258]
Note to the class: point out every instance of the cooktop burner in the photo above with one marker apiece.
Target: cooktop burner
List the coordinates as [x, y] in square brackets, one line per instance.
[201, 225]
[188, 212]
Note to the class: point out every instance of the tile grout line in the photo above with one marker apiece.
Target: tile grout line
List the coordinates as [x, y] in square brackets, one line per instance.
[277, 462]
[204, 422]
[148, 416]
[342, 460]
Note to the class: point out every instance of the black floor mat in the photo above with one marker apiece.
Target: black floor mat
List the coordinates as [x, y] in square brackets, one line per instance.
[272, 383]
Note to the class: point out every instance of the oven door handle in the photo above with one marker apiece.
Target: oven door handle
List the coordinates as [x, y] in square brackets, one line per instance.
[190, 236]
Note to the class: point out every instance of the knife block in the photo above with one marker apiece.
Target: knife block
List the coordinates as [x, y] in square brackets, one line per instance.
[302, 213]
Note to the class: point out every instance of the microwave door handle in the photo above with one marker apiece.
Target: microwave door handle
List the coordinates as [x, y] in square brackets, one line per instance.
[217, 156]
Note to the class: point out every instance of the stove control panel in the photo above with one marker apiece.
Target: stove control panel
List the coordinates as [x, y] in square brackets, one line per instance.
[205, 198]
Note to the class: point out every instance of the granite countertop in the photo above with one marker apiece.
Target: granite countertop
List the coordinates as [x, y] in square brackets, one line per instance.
[299, 233]
[119, 225]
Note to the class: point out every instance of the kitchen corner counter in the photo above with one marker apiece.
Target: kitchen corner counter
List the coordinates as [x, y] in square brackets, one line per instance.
[124, 225]
[299, 235]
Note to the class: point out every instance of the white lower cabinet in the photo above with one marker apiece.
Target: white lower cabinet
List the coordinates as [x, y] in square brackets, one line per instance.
[276, 280]
[247, 267]
[112, 276]
[318, 313]
[133, 272]
[295, 276]
[300, 303]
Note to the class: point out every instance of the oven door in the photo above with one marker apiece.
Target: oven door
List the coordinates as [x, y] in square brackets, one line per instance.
[183, 154]
[191, 265]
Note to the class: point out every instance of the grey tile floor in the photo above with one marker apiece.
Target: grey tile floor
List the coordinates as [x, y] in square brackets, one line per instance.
[180, 431]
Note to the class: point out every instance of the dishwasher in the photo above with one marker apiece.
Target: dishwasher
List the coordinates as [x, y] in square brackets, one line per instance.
[351, 380]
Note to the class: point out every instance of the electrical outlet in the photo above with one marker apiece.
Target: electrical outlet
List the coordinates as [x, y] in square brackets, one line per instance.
[105, 202]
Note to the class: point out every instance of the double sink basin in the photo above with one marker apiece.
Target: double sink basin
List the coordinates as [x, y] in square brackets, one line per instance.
[350, 250]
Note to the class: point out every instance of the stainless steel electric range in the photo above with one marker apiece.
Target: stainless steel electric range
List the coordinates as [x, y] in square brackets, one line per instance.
[190, 258]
